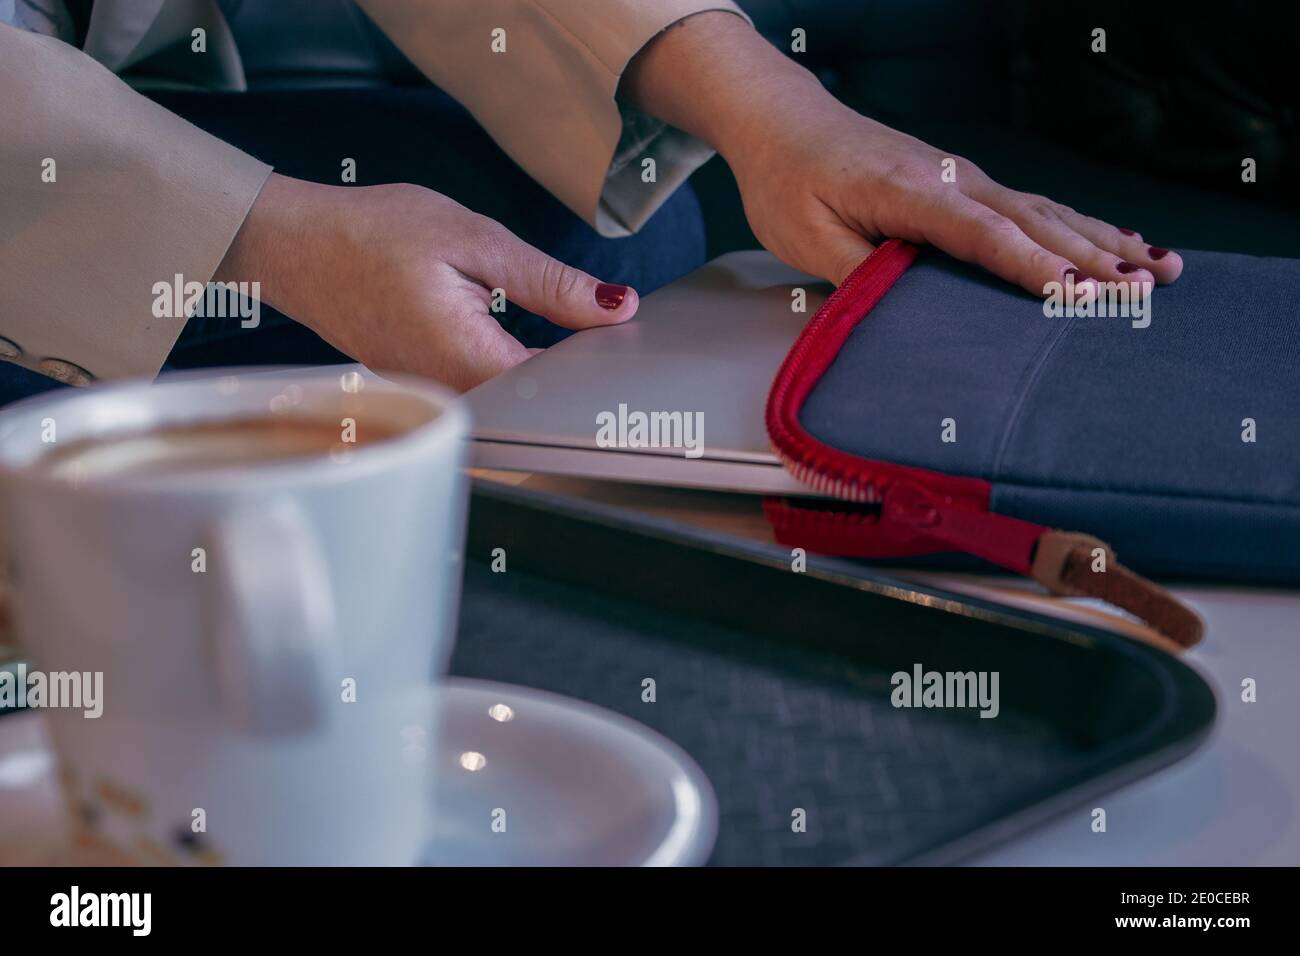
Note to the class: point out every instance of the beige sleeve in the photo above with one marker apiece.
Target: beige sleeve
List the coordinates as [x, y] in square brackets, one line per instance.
[548, 97]
[102, 194]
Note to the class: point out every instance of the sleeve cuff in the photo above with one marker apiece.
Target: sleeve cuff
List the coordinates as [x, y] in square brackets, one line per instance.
[627, 198]
[141, 196]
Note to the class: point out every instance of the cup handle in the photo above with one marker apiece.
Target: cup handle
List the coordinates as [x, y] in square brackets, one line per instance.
[271, 620]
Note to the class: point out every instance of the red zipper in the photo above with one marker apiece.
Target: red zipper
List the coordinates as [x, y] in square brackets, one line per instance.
[899, 511]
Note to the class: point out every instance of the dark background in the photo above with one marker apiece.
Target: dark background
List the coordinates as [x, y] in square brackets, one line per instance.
[1149, 135]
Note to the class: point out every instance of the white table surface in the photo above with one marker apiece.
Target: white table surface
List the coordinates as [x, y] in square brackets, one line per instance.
[1236, 800]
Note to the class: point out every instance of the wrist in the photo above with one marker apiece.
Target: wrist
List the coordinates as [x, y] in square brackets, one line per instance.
[277, 238]
[717, 78]
[782, 105]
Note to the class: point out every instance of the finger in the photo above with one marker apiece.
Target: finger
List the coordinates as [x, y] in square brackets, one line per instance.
[483, 350]
[562, 294]
[1040, 219]
[972, 231]
[831, 249]
[1165, 264]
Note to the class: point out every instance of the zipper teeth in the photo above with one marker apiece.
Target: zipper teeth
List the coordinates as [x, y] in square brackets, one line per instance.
[825, 481]
[793, 523]
[806, 461]
[1004, 541]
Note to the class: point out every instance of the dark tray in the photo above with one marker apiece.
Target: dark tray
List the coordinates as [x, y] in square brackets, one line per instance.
[778, 683]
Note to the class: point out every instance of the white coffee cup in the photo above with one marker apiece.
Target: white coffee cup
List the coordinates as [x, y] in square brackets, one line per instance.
[260, 627]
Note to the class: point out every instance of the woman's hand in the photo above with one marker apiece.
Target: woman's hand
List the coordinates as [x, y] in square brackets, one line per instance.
[822, 184]
[820, 192]
[401, 278]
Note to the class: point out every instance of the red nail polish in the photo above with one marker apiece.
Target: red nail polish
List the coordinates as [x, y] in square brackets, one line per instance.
[1129, 232]
[610, 296]
[1124, 268]
[1155, 252]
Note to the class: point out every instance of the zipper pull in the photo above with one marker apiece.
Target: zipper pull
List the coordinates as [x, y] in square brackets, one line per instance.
[962, 525]
[1065, 562]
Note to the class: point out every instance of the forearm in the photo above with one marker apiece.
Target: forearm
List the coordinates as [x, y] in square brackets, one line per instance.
[714, 76]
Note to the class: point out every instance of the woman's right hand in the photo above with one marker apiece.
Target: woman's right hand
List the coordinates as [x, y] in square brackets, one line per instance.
[400, 277]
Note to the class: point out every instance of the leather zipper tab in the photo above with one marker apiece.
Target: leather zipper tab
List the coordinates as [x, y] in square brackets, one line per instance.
[1074, 564]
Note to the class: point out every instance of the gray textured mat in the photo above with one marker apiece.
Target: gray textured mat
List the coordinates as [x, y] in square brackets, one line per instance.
[774, 727]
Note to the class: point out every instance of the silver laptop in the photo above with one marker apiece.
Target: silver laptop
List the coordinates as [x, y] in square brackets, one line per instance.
[676, 396]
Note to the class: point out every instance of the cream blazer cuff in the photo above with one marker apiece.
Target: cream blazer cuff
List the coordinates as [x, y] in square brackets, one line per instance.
[103, 194]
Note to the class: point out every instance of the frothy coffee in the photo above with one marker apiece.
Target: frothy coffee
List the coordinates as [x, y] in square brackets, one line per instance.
[200, 446]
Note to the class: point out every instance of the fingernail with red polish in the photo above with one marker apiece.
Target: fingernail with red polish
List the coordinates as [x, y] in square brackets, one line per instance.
[610, 296]
[1155, 252]
[1129, 232]
[1124, 268]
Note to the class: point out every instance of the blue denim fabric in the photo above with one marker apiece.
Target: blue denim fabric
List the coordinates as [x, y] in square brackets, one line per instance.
[17, 383]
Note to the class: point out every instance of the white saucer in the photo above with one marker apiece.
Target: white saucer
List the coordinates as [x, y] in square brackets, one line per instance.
[529, 778]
